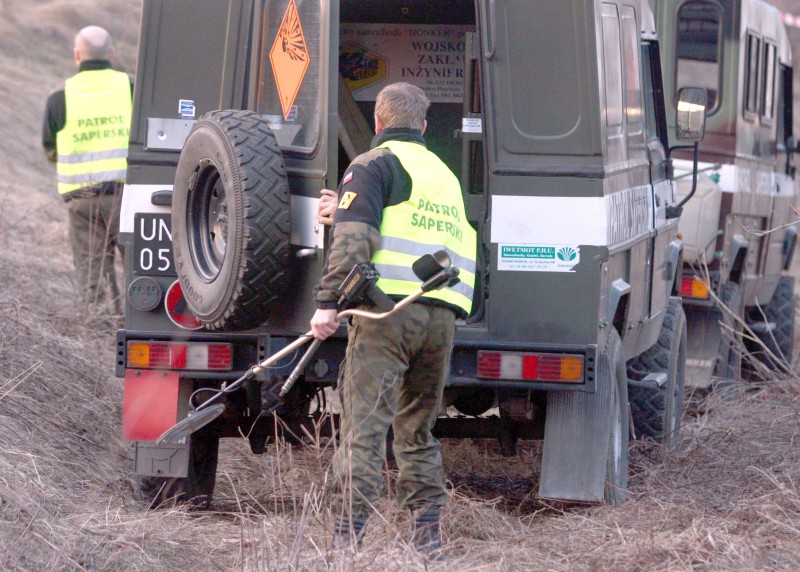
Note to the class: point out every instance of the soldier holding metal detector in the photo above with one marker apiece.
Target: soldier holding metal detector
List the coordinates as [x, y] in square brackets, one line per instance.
[396, 202]
[399, 220]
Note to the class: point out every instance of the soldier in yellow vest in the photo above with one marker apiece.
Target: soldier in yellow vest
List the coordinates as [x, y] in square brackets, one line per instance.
[396, 202]
[85, 132]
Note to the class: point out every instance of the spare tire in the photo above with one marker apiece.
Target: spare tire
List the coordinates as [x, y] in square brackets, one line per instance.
[230, 220]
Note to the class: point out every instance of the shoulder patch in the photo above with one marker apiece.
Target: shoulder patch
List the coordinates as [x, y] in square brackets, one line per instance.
[347, 200]
[347, 178]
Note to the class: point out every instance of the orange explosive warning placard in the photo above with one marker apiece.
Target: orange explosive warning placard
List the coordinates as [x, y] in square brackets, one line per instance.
[289, 58]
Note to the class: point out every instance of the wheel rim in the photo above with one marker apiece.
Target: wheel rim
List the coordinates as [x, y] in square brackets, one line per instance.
[207, 221]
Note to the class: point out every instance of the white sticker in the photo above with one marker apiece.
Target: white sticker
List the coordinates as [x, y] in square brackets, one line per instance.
[471, 125]
[538, 258]
[275, 121]
[186, 108]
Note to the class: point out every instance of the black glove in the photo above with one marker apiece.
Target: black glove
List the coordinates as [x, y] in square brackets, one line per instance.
[270, 398]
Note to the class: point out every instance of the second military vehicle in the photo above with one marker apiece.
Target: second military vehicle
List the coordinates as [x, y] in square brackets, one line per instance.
[738, 231]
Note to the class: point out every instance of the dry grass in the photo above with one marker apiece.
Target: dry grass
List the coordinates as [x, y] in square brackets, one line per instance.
[726, 500]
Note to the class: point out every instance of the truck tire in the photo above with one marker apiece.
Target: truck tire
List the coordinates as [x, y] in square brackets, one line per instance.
[230, 220]
[728, 366]
[779, 341]
[616, 488]
[656, 411]
[197, 488]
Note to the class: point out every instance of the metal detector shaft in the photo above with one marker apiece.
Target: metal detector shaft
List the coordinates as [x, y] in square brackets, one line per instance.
[408, 300]
[299, 342]
[298, 370]
[204, 414]
[301, 365]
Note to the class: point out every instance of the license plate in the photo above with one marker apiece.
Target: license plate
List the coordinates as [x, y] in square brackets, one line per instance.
[152, 245]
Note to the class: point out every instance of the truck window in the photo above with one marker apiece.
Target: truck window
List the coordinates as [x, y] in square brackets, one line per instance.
[633, 83]
[784, 106]
[612, 68]
[698, 49]
[289, 71]
[768, 87]
[753, 48]
[654, 116]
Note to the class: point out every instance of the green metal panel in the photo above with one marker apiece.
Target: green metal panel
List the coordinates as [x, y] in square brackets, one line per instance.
[185, 58]
[541, 64]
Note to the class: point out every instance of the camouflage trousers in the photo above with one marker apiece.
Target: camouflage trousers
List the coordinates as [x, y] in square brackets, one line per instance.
[93, 233]
[393, 375]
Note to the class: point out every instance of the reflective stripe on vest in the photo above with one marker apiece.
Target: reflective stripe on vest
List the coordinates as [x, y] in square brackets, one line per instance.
[433, 218]
[93, 145]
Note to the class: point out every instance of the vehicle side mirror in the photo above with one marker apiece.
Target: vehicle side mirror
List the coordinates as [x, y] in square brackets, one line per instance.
[691, 117]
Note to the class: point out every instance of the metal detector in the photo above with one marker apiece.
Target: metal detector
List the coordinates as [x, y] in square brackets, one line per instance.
[435, 271]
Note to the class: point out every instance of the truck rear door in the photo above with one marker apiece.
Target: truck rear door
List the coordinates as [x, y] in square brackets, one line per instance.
[295, 50]
[193, 58]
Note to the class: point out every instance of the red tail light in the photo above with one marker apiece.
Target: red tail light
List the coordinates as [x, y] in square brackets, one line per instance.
[562, 368]
[196, 356]
[693, 287]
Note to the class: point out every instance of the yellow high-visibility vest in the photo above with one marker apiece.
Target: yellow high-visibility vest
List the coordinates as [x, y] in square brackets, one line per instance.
[433, 218]
[93, 145]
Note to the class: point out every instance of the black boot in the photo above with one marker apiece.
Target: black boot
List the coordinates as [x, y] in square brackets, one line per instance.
[425, 535]
[348, 531]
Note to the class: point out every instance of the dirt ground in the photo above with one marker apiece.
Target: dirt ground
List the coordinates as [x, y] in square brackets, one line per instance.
[727, 499]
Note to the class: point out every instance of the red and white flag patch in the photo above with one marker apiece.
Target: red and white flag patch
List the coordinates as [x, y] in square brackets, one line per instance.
[347, 178]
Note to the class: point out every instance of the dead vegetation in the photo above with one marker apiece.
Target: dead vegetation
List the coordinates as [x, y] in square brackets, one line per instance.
[727, 499]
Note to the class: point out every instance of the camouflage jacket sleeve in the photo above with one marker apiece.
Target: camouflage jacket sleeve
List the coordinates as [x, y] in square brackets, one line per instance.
[352, 243]
[373, 181]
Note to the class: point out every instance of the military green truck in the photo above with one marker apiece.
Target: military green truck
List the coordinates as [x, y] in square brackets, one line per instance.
[551, 113]
[737, 231]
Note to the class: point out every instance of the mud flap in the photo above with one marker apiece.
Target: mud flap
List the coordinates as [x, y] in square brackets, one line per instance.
[150, 460]
[153, 401]
[150, 403]
[703, 344]
[577, 435]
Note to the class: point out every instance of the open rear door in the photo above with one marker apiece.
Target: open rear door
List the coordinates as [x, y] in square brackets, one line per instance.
[293, 86]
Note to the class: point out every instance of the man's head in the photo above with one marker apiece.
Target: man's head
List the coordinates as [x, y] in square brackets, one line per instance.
[93, 43]
[401, 105]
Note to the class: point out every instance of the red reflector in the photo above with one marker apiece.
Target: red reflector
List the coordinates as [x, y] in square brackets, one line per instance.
[686, 287]
[489, 365]
[530, 367]
[178, 355]
[159, 355]
[219, 356]
[550, 368]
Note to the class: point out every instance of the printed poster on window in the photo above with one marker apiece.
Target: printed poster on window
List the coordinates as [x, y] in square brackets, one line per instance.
[429, 56]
